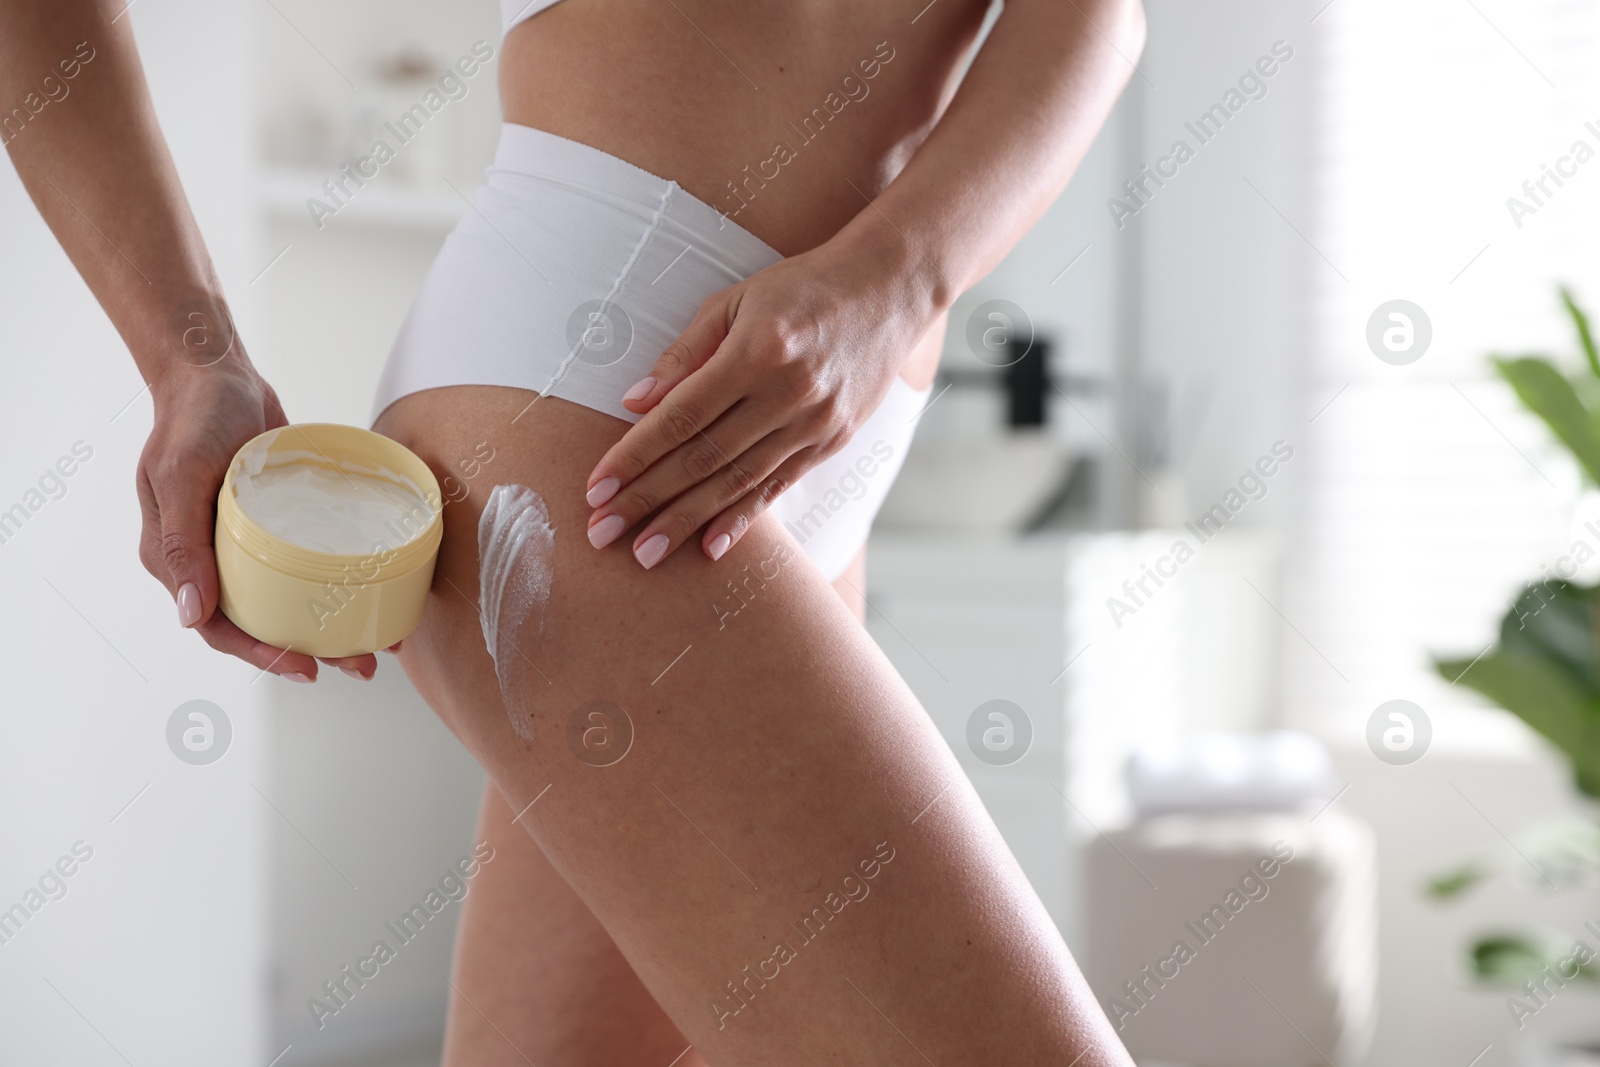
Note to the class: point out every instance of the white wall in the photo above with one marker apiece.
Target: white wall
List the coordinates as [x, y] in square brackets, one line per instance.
[158, 943]
[1227, 310]
[1220, 289]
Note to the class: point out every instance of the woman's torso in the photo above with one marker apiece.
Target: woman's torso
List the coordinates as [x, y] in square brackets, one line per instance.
[769, 112]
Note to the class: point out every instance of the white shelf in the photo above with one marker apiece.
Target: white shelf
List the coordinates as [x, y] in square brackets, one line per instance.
[382, 203]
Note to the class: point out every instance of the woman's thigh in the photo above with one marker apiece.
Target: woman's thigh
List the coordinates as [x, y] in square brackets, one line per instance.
[537, 978]
[787, 855]
[536, 975]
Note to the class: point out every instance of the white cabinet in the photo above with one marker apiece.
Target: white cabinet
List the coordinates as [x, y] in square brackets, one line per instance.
[968, 620]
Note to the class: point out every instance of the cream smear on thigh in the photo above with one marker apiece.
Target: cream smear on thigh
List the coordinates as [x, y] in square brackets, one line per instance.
[516, 549]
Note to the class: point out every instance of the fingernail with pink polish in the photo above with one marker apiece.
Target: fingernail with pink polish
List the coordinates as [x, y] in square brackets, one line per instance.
[303, 679]
[351, 672]
[719, 545]
[641, 389]
[188, 604]
[603, 490]
[650, 553]
[607, 530]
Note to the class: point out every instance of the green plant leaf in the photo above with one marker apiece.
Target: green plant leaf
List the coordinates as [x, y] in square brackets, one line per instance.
[1511, 959]
[1544, 694]
[1507, 959]
[1540, 386]
[1581, 321]
[1454, 883]
[1556, 620]
[1566, 852]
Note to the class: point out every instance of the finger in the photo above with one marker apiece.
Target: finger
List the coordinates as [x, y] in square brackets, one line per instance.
[677, 522]
[725, 530]
[701, 457]
[150, 530]
[683, 356]
[695, 405]
[186, 495]
[215, 628]
[221, 634]
[361, 668]
[664, 426]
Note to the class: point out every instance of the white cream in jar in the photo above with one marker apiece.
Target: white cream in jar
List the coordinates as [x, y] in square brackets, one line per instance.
[341, 508]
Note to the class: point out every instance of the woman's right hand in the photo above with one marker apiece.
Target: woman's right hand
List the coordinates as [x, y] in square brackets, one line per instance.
[203, 415]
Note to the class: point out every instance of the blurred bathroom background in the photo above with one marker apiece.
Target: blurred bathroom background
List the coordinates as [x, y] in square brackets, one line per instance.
[1141, 359]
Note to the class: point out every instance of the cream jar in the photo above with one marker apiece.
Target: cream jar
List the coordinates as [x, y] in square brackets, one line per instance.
[326, 539]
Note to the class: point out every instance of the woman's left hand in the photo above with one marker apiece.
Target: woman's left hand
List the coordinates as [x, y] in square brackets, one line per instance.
[775, 374]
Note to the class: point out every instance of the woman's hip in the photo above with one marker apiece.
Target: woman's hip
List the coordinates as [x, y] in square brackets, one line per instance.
[570, 276]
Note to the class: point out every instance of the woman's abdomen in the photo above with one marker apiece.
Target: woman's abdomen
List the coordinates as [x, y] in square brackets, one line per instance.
[782, 116]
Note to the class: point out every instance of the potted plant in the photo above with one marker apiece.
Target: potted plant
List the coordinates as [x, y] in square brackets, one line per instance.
[1545, 670]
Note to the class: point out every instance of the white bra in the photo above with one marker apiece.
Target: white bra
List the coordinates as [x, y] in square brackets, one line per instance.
[515, 11]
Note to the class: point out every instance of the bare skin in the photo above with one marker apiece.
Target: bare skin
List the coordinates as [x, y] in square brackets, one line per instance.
[781, 754]
[905, 198]
[755, 784]
[639, 81]
[548, 81]
[532, 962]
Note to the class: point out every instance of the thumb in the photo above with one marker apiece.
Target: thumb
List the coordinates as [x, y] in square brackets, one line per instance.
[188, 526]
[683, 356]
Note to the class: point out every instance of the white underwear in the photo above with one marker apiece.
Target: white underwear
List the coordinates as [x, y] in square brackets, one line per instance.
[572, 274]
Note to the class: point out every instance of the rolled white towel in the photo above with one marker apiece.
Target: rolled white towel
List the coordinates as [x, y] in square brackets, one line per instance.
[1277, 771]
